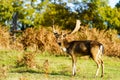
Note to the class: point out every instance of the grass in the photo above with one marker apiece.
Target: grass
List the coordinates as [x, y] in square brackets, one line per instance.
[59, 68]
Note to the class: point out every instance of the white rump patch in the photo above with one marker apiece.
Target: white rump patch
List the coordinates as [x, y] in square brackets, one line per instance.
[100, 49]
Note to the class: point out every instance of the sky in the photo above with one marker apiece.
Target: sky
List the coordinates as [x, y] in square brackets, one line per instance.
[113, 2]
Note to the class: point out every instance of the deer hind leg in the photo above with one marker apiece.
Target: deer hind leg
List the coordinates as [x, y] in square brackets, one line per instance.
[97, 57]
[99, 63]
[102, 64]
[98, 67]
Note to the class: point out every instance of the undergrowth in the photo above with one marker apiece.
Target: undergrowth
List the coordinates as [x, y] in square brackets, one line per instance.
[43, 40]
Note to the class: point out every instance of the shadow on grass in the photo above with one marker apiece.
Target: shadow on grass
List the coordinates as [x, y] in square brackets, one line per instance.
[61, 73]
[58, 73]
[27, 71]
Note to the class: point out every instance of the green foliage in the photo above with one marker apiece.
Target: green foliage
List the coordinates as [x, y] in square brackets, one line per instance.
[110, 17]
[32, 13]
[90, 13]
[6, 10]
[60, 15]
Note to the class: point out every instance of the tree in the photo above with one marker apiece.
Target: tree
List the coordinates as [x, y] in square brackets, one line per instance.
[118, 5]
[9, 7]
[32, 13]
[60, 14]
[111, 18]
[6, 11]
[88, 12]
[118, 17]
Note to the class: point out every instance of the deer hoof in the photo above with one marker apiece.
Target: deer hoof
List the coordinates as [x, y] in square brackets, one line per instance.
[74, 74]
[101, 76]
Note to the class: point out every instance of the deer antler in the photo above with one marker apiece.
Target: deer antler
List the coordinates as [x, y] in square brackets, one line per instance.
[54, 31]
[77, 27]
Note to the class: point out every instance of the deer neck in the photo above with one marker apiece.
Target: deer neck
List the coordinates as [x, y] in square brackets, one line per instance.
[65, 45]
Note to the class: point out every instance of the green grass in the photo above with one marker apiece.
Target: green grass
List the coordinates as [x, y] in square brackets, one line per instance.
[59, 68]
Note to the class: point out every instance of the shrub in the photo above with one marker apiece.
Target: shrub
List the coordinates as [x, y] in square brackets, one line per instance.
[28, 60]
[39, 39]
[4, 37]
[42, 39]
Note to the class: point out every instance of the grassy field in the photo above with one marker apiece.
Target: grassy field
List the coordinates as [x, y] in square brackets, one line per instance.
[59, 68]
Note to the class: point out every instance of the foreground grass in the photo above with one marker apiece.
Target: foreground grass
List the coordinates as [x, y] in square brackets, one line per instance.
[59, 68]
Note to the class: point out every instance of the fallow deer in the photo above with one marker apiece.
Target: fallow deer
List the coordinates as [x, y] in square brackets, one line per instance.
[85, 47]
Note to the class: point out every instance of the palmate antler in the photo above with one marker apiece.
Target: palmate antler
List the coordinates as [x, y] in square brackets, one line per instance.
[54, 31]
[77, 27]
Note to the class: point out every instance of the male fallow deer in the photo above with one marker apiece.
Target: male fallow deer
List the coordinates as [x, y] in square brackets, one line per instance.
[85, 47]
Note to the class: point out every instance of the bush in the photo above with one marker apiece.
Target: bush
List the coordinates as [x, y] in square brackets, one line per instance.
[4, 38]
[43, 40]
[28, 60]
[39, 40]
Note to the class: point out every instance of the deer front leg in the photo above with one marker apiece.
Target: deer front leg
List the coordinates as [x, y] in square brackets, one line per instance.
[74, 69]
[74, 65]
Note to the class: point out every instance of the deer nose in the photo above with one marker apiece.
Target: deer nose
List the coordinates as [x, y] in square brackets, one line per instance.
[59, 44]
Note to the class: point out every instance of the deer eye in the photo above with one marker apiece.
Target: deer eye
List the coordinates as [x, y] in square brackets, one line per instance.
[64, 35]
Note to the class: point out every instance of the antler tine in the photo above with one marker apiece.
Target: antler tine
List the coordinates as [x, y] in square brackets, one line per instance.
[54, 31]
[77, 27]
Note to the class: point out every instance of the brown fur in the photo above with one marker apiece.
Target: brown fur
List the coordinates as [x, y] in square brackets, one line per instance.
[86, 47]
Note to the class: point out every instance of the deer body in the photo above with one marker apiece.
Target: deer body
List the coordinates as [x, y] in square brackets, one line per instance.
[85, 47]
[81, 47]
[91, 48]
